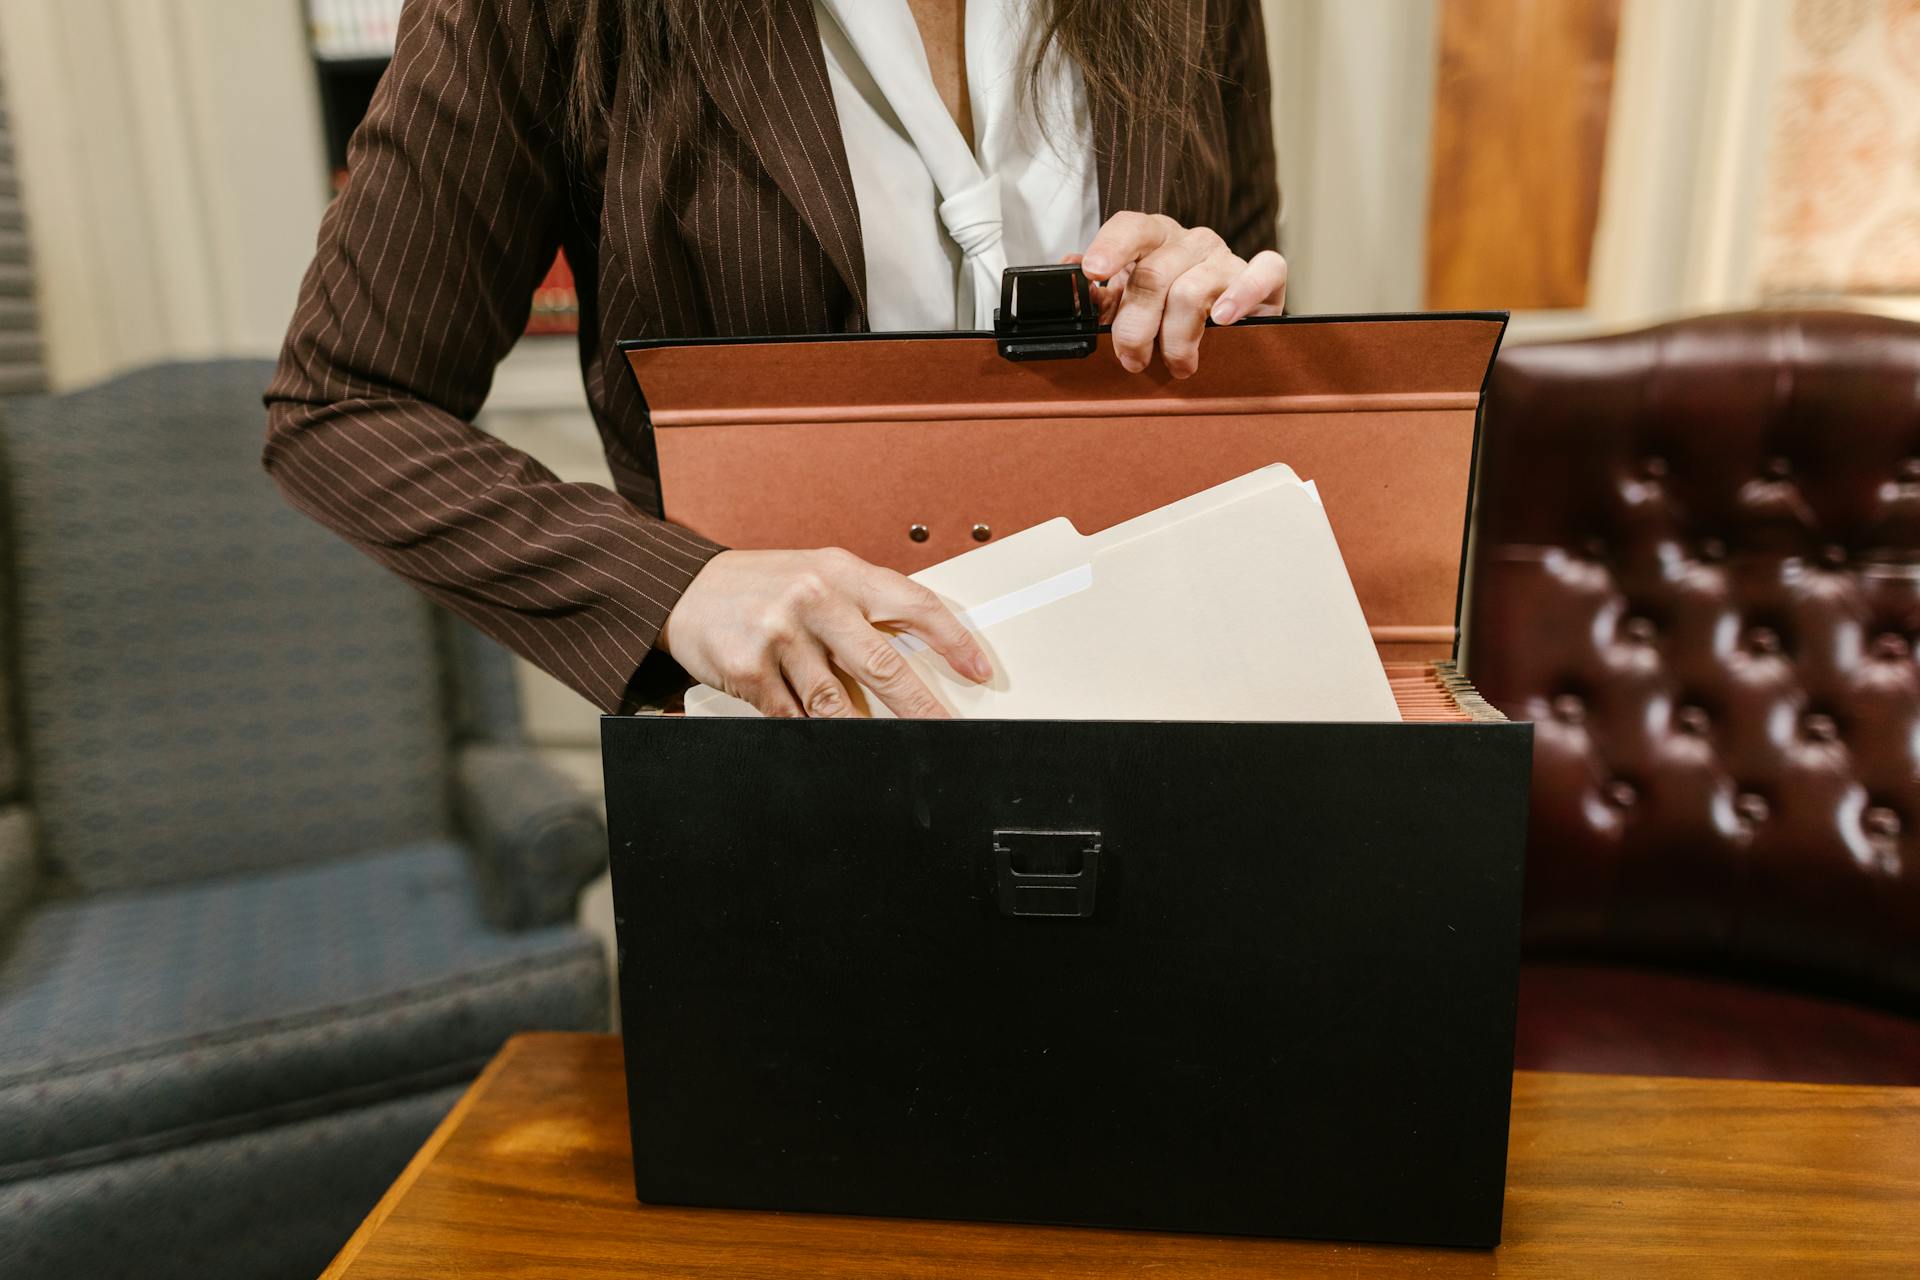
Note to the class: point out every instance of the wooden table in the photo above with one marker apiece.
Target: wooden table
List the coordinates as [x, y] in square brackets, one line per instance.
[1608, 1176]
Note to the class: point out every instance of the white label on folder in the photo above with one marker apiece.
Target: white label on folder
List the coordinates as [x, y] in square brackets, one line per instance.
[1014, 603]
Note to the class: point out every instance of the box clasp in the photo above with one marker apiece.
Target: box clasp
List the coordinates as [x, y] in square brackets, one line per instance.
[1046, 313]
[1047, 873]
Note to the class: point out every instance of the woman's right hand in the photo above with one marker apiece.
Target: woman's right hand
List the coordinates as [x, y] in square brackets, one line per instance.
[784, 630]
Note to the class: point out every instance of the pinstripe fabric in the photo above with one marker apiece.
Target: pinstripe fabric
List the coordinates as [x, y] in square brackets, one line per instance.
[723, 206]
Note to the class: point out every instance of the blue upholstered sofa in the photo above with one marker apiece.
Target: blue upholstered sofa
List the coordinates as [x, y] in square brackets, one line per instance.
[277, 871]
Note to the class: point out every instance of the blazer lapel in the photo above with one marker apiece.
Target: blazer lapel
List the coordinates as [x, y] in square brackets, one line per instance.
[765, 71]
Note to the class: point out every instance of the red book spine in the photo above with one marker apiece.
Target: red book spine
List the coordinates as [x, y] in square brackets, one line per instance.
[556, 306]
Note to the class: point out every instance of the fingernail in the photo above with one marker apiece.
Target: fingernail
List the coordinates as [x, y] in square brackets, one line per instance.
[1095, 265]
[1225, 312]
[979, 668]
[1130, 364]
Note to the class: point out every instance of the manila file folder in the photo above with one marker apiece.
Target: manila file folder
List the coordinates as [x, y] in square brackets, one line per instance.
[1230, 604]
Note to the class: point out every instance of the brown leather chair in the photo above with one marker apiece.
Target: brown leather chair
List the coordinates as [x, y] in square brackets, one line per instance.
[1697, 569]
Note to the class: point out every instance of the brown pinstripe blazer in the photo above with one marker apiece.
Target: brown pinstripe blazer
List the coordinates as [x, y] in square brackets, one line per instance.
[738, 219]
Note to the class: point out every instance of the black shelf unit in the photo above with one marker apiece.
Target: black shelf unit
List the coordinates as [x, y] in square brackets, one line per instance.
[346, 90]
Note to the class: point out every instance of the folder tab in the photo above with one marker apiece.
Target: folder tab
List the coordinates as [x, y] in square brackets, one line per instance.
[1230, 604]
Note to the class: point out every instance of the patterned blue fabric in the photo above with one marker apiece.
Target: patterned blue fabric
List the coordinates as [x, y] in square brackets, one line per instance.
[12, 768]
[486, 696]
[276, 1202]
[144, 1020]
[211, 683]
[264, 967]
[19, 869]
[536, 838]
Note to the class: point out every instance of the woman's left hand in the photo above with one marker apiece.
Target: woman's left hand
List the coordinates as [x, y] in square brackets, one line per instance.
[1156, 280]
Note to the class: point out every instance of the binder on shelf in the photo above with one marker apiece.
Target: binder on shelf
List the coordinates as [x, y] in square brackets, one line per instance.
[352, 30]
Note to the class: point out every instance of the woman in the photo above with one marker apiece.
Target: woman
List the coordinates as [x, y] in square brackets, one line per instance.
[737, 167]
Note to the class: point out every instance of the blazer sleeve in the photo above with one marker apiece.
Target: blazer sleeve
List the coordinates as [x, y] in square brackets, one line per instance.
[1253, 201]
[423, 279]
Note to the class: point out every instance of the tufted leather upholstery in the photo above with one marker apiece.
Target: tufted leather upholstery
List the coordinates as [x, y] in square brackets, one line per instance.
[1697, 568]
[1626, 1019]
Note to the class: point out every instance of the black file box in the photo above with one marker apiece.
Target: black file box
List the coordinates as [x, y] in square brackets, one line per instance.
[1225, 977]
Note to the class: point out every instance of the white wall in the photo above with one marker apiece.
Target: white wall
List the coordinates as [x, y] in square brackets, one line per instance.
[172, 171]
[1353, 117]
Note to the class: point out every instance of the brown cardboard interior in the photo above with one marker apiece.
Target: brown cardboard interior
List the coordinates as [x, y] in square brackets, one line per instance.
[856, 442]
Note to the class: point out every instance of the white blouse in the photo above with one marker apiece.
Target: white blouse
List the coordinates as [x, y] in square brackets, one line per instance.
[939, 218]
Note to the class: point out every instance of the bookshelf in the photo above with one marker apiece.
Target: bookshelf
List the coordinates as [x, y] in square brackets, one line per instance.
[351, 42]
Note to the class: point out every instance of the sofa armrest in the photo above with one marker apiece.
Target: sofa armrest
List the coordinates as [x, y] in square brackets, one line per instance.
[536, 838]
[18, 866]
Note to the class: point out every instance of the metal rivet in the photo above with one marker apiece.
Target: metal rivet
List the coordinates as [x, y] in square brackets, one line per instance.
[1819, 728]
[1653, 468]
[917, 532]
[1779, 468]
[1891, 647]
[1712, 549]
[1751, 807]
[1568, 709]
[1833, 555]
[1621, 794]
[1693, 719]
[981, 533]
[1881, 821]
[1640, 630]
[1596, 548]
[1763, 640]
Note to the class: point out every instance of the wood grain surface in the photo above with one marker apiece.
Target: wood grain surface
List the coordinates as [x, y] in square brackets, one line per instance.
[1608, 1176]
[1521, 102]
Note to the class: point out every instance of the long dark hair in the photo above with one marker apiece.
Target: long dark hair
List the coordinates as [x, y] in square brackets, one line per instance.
[1137, 57]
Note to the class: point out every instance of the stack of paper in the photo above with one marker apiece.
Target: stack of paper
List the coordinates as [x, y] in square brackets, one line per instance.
[1232, 604]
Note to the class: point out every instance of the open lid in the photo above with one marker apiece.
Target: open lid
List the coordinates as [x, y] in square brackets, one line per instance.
[908, 449]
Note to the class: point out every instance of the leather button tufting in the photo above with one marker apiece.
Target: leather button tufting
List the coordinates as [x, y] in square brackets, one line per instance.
[1639, 630]
[1750, 484]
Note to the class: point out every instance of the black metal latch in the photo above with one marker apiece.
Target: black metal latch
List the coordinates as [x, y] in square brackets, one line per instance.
[1046, 873]
[1046, 313]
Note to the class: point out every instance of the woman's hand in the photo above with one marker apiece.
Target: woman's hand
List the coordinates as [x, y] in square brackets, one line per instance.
[778, 628]
[1157, 279]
